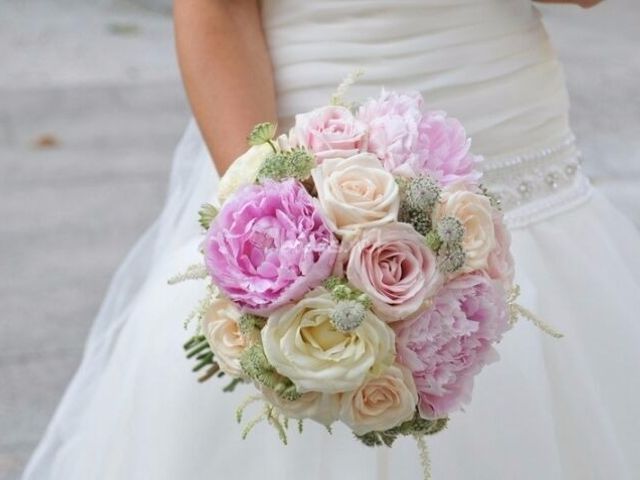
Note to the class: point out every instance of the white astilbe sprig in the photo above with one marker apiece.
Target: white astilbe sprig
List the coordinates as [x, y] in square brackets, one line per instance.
[338, 96]
[425, 459]
[517, 311]
[268, 413]
[203, 306]
[196, 271]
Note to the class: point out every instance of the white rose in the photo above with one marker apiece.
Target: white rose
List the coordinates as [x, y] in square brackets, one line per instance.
[320, 407]
[220, 326]
[356, 192]
[382, 403]
[475, 213]
[302, 344]
[243, 170]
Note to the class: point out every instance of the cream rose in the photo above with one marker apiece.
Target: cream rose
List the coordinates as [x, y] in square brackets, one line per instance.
[243, 170]
[356, 192]
[302, 344]
[381, 403]
[320, 407]
[220, 326]
[475, 213]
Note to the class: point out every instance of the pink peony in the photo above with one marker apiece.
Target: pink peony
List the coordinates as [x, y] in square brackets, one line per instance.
[394, 133]
[396, 269]
[500, 261]
[410, 142]
[447, 345]
[448, 159]
[329, 132]
[268, 246]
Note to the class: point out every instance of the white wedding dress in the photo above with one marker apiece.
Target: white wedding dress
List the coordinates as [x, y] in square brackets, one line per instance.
[550, 409]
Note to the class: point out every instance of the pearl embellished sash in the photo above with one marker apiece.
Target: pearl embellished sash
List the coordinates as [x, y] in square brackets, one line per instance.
[536, 185]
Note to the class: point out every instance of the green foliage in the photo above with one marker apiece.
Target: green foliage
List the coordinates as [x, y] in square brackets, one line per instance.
[418, 197]
[341, 291]
[451, 258]
[262, 133]
[419, 193]
[417, 426]
[446, 240]
[206, 215]
[256, 366]
[433, 240]
[198, 348]
[419, 219]
[296, 164]
[231, 386]
[250, 327]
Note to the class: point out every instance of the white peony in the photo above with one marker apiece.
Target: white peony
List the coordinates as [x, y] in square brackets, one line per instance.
[301, 343]
[381, 403]
[475, 213]
[220, 326]
[243, 170]
[356, 192]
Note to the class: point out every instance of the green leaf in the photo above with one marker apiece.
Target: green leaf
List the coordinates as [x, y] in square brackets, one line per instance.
[433, 241]
[207, 214]
[262, 133]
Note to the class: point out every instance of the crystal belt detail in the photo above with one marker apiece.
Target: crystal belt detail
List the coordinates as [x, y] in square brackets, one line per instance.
[534, 186]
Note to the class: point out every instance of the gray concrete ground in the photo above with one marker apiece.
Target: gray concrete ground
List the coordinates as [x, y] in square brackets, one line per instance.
[90, 110]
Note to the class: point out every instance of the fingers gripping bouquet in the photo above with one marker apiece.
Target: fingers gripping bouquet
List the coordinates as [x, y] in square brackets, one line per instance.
[357, 271]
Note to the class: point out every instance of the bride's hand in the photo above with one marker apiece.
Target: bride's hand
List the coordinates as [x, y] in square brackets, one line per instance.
[582, 3]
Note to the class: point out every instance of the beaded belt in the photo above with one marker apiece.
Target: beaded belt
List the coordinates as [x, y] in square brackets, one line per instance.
[537, 185]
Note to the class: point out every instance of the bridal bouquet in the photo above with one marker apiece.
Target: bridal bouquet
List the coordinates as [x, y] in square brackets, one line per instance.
[357, 271]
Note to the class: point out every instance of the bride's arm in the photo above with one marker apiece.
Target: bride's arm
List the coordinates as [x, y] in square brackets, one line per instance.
[582, 3]
[226, 71]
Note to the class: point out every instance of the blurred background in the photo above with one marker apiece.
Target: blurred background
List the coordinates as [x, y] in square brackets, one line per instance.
[91, 108]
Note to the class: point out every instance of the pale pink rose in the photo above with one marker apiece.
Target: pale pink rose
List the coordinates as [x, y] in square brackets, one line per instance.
[383, 402]
[500, 264]
[446, 346]
[356, 193]
[475, 213]
[220, 326]
[395, 268]
[329, 132]
[411, 142]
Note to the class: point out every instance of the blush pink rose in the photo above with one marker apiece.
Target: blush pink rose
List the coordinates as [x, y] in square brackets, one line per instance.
[446, 346]
[500, 264]
[395, 268]
[269, 246]
[329, 132]
[411, 142]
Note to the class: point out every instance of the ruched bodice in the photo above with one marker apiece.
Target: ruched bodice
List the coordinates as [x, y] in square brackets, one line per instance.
[487, 62]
